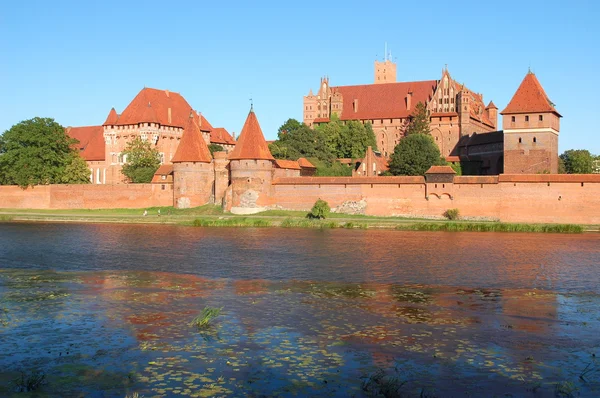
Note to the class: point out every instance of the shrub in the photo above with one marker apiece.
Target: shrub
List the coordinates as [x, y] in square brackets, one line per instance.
[319, 210]
[452, 214]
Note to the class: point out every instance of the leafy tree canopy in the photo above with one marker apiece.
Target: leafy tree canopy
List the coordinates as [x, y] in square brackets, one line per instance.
[298, 140]
[38, 151]
[215, 148]
[577, 161]
[414, 155]
[419, 123]
[348, 140]
[142, 161]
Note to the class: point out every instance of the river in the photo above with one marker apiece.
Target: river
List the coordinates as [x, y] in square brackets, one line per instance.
[105, 310]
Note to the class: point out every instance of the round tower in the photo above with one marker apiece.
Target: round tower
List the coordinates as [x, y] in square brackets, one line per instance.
[251, 166]
[193, 170]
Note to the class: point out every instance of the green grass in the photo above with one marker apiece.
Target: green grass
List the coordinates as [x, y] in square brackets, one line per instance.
[232, 222]
[5, 218]
[152, 211]
[491, 227]
[206, 317]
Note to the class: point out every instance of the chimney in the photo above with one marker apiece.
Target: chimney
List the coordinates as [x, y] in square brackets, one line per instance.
[408, 100]
[355, 105]
[167, 93]
[169, 113]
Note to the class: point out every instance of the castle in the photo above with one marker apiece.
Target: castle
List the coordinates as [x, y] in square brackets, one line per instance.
[463, 127]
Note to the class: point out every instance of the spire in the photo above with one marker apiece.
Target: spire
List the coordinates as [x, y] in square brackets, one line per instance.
[251, 142]
[192, 147]
[112, 118]
[530, 97]
[491, 105]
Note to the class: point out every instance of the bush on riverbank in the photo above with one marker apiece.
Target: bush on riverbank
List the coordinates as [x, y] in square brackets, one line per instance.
[492, 227]
[320, 210]
[452, 214]
[231, 222]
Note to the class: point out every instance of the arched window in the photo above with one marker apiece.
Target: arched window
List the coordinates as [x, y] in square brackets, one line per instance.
[534, 139]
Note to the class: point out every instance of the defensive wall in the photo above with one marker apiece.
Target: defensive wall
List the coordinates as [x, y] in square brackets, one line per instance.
[535, 198]
[89, 196]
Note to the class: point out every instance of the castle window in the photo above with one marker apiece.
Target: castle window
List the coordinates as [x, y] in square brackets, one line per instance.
[520, 140]
[541, 118]
[513, 119]
[527, 118]
[534, 139]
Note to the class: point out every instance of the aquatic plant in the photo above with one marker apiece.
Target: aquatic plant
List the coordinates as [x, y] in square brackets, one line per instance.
[452, 214]
[491, 227]
[29, 381]
[206, 317]
[134, 395]
[565, 389]
[381, 384]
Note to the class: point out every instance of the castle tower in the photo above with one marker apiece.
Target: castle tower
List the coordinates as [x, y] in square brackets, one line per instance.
[492, 111]
[193, 170]
[385, 72]
[251, 166]
[531, 125]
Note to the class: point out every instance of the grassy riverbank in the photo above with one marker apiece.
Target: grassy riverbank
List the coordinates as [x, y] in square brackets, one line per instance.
[213, 216]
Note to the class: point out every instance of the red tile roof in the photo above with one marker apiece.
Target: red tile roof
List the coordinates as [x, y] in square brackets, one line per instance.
[321, 120]
[91, 141]
[440, 170]
[530, 98]
[163, 170]
[160, 101]
[112, 118]
[192, 147]
[251, 144]
[220, 136]
[491, 105]
[203, 123]
[382, 101]
[304, 163]
[287, 164]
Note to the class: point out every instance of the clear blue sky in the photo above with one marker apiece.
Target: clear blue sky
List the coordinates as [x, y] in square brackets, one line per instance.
[74, 60]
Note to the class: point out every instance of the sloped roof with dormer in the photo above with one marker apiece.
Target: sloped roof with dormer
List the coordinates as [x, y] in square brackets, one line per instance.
[91, 141]
[251, 143]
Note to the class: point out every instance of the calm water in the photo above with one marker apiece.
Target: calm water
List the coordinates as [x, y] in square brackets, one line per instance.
[105, 310]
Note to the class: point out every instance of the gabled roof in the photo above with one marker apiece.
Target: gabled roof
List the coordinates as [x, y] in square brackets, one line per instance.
[204, 124]
[219, 135]
[112, 118]
[251, 143]
[160, 101]
[382, 101]
[164, 169]
[530, 98]
[192, 147]
[440, 170]
[287, 164]
[91, 141]
[304, 163]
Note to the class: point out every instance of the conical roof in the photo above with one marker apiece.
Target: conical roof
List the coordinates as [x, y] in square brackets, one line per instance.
[192, 147]
[251, 143]
[112, 118]
[491, 105]
[530, 98]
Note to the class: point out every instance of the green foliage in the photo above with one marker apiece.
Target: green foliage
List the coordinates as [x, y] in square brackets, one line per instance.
[452, 214]
[37, 152]
[348, 140]
[578, 161]
[76, 172]
[320, 210]
[215, 148]
[414, 155]
[419, 123]
[334, 169]
[457, 167]
[206, 317]
[280, 150]
[491, 227]
[298, 140]
[232, 222]
[142, 161]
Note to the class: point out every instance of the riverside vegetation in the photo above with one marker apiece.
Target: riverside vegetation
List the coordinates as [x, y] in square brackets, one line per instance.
[213, 216]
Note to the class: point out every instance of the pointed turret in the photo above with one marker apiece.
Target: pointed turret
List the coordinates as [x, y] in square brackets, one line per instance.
[491, 105]
[530, 98]
[192, 147]
[251, 143]
[112, 118]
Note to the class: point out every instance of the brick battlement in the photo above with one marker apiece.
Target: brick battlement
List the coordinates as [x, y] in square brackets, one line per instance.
[348, 180]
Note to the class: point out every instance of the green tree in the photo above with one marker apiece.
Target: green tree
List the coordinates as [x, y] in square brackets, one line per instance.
[299, 140]
[419, 121]
[414, 155]
[578, 161]
[280, 150]
[34, 152]
[348, 140]
[142, 161]
[76, 172]
[320, 210]
[215, 148]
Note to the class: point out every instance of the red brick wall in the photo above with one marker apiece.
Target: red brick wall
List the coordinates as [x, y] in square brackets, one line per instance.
[86, 196]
